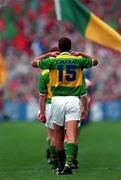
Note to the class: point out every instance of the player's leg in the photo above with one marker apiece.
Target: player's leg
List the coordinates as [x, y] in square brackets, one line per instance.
[71, 146]
[72, 118]
[49, 160]
[53, 152]
[75, 163]
[59, 139]
[51, 133]
[58, 120]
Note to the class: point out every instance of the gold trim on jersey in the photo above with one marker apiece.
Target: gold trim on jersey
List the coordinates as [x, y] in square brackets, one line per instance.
[46, 71]
[66, 56]
[49, 95]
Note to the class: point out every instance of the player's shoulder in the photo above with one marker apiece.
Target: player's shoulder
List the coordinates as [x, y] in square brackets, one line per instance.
[51, 58]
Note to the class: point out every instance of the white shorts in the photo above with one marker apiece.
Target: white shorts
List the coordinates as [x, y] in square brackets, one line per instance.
[65, 108]
[49, 122]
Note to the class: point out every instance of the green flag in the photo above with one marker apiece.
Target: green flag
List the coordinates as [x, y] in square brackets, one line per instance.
[88, 24]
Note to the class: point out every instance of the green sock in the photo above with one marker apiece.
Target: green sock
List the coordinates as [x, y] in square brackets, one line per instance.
[65, 145]
[61, 158]
[70, 153]
[48, 141]
[54, 157]
[76, 152]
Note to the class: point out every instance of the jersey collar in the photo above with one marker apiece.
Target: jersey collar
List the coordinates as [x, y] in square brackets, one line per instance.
[65, 53]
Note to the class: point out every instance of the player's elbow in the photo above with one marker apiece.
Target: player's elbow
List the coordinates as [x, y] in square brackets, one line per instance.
[94, 62]
[34, 63]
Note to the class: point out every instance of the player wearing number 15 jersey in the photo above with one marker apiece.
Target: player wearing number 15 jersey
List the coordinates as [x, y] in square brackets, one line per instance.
[66, 79]
[66, 73]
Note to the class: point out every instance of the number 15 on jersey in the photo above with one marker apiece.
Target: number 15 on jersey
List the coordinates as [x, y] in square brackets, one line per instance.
[68, 73]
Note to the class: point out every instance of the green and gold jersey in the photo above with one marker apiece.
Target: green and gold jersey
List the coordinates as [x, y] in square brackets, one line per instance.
[44, 85]
[66, 73]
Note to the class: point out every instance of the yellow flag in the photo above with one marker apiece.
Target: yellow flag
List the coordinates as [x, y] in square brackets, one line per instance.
[3, 71]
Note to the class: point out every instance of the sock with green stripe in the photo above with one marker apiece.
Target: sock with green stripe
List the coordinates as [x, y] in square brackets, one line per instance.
[76, 152]
[70, 150]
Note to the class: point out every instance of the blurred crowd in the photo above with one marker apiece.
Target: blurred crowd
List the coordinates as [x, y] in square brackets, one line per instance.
[29, 28]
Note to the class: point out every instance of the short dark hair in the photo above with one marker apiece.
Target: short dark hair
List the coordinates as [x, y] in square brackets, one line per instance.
[64, 44]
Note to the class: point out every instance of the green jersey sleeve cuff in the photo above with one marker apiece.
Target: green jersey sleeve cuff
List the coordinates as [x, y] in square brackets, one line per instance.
[38, 63]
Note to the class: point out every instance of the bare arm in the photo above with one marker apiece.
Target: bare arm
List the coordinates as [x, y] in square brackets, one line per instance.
[38, 58]
[42, 104]
[84, 102]
[94, 60]
[81, 54]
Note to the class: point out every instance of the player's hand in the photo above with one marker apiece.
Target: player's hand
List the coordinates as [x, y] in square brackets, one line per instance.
[41, 117]
[54, 54]
[73, 53]
[84, 115]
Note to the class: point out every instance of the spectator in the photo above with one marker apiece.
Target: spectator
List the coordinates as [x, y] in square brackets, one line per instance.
[28, 27]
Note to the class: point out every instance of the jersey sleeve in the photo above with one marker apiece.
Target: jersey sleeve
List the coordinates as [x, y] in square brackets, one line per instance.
[42, 85]
[46, 63]
[85, 62]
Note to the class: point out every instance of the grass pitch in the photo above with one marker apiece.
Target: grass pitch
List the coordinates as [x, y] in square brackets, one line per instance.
[23, 146]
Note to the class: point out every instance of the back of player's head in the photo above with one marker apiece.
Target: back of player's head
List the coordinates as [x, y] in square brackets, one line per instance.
[64, 44]
[53, 49]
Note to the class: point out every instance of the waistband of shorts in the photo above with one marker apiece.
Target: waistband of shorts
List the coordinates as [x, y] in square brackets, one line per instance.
[65, 96]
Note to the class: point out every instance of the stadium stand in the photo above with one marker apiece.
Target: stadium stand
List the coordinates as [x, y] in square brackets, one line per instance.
[29, 28]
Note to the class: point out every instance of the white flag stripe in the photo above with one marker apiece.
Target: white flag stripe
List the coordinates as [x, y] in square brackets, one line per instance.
[58, 10]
